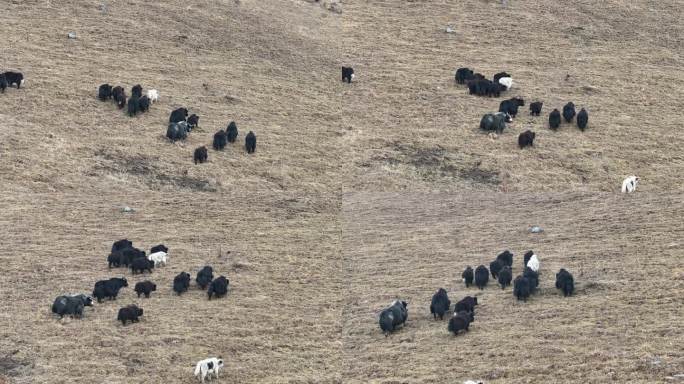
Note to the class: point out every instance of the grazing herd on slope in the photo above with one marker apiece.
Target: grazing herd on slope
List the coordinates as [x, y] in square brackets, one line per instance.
[479, 85]
[180, 124]
[495, 122]
[124, 254]
[525, 284]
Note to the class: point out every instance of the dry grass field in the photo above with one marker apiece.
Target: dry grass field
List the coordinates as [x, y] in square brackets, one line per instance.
[357, 194]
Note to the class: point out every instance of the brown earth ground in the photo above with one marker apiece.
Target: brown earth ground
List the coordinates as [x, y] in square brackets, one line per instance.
[311, 245]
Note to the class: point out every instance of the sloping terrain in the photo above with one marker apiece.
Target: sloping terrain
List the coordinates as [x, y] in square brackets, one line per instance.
[411, 127]
[624, 323]
[335, 214]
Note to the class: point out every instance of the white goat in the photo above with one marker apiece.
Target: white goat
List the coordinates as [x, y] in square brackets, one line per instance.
[208, 366]
[629, 184]
[158, 258]
[153, 95]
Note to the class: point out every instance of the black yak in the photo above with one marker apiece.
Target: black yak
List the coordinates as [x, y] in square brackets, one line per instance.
[218, 287]
[181, 282]
[565, 282]
[129, 313]
[200, 155]
[440, 304]
[582, 119]
[145, 288]
[481, 276]
[554, 119]
[393, 316]
[526, 139]
[250, 142]
[569, 111]
[468, 276]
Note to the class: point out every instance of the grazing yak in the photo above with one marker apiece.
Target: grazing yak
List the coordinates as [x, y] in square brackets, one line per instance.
[177, 131]
[122, 244]
[158, 258]
[505, 276]
[506, 258]
[460, 322]
[181, 282]
[484, 87]
[125, 257]
[510, 106]
[119, 96]
[204, 276]
[393, 316]
[495, 122]
[569, 111]
[3, 83]
[521, 288]
[218, 287]
[494, 267]
[532, 277]
[232, 132]
[468, 276]
[468, 304]
[153, 95]
[440, 304]
[178, 115]
[629, 184]
[201, 154]
[133, 106]
[481, 276]
[220, 140]
[565, 282]
[129, 313]
[104, 93]
[159, 248]
[554, 119]
[206, 367]
[145, 288]
[193, 121]
[582, 119]
[71, 305]
[250, 142]
[141, 265]
[347, 74]
[144, 103]
[536, 108]
[14, 78]
[136, 91]
[526, 139]
[462, 75]
[109, 288]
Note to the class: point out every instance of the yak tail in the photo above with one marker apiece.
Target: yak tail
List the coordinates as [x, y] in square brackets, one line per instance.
[197, 369]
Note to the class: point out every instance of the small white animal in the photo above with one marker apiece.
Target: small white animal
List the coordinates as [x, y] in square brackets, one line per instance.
[506, 82]
[533, 263]
[158, 258]
[208, 366]
[153, 95]
[629, 184]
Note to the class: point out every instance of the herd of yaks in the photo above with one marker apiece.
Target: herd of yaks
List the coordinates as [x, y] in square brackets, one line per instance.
[479, 85]
[392, 317]
[180, 124]
[525, 284]
[124, 254]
